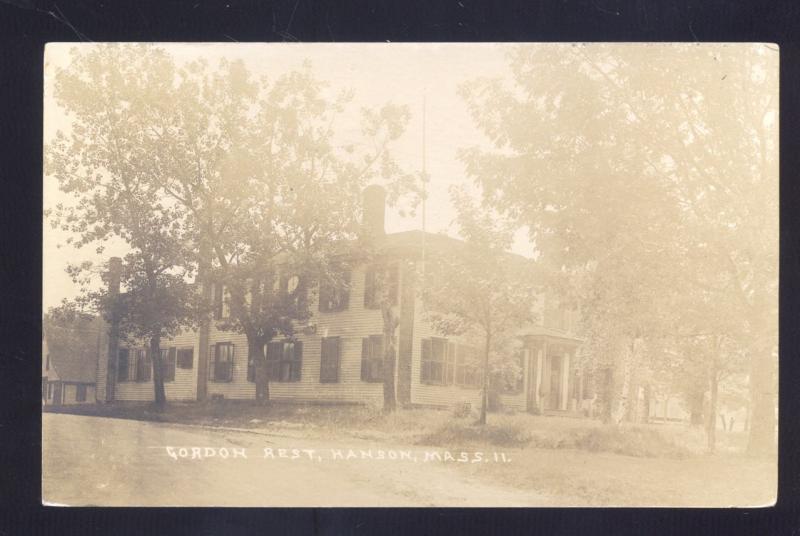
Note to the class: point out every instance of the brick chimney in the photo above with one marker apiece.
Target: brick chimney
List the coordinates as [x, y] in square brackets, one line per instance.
[114, 275]
[374, 199]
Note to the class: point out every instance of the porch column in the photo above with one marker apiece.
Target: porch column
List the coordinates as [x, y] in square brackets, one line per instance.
[564, 403]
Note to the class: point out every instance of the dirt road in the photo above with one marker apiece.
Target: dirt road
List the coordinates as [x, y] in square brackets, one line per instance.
[112, 462]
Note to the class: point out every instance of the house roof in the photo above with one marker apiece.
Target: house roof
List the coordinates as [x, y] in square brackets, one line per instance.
[72, 366]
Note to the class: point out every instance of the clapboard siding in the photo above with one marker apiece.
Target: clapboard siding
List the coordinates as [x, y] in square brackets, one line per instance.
[71, 394]
[182, 388]
[350, 325]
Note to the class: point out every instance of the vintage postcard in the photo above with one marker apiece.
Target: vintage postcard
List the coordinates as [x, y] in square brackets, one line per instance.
[482, 275]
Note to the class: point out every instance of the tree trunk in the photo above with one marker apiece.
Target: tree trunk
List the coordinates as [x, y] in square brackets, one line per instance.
[159, 395]
[711, 421]
[390, 323]
[485, 391]
[761, 441]
[696, 407]
[255, 352]
[621, 395]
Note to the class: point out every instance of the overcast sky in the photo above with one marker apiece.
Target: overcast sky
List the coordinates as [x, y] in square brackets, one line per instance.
[377, 73]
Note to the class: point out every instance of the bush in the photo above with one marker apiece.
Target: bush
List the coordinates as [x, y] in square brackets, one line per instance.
[459, 433]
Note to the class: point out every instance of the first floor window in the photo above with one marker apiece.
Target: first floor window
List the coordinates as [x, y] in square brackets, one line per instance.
[222, 362]
[437, 361]
[329, 360]
[185, 358]
[372, 358]
[168, 364]
[123, 365]
[284, 360]
[144, 365]
[49, 390]
[80, 393]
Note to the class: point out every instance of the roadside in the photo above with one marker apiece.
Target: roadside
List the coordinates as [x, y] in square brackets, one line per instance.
[553, 460]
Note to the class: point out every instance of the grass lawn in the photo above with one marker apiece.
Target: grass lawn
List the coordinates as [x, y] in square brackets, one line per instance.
[576, 461]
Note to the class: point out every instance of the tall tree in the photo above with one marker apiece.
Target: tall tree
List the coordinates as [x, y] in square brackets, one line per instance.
[477, 288]
[628, 163]
[261, 184]
[104, 163]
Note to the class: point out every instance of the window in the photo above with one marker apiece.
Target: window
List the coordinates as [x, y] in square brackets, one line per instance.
[144, 365]
[221, 301]
[468, 372]
[284, 361]
[80, 393]
[222, 362]
[373, 278]
[372, 358]
[185, 358]
[123, 365]
[168, 364]
[335, 295]
[437, 361]
[49, 391]
[47, 363]
[329, 360]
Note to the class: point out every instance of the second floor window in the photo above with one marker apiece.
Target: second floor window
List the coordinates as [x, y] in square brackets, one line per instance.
[221, 302]
[376, 281]
[334, 293]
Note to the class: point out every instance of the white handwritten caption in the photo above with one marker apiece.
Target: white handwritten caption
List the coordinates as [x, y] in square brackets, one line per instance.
[180, 453]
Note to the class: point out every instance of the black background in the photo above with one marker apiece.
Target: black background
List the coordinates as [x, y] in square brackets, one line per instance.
[26, 25]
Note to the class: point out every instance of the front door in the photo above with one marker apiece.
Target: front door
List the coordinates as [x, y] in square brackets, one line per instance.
[554, 401]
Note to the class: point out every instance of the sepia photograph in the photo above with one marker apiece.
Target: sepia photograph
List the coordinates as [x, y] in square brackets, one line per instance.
[410, 275]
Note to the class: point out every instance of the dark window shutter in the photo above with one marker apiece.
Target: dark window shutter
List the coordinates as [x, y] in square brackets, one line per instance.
[122, 364]
[425, 361]
[344, 302]
[274, 354]
[365, 359]
[324, 294]
[394, 283]
[212, 359]
[169, 374]
[297, 362]
[369, 288]
[218, 299]
[450, 363]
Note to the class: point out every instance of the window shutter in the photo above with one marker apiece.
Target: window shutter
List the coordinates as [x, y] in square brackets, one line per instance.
[148, 365]
[170, 374]
[218, 299]
[425, 362]
[365, 359]
[369, 288]
[274, 354]
[297, 365]
[394, 283]
[211, 362]
[450, 363]
[122, 365]
[324, 294]
[345, 292]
